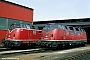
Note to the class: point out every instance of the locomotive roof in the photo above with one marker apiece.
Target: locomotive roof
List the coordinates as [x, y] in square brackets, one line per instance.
[63, 25]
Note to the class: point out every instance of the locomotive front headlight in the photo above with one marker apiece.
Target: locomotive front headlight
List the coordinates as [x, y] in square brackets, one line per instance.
[8, 35]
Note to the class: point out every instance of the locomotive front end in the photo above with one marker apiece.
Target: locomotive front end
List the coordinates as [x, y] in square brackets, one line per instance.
[13, 36]
[48, 36]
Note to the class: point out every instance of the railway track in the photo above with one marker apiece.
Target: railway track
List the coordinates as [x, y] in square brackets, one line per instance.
[81, 56]
[77, 56]
[81, 53]
[10, 53]
[21, 52]
[18, 51]
[4, 49]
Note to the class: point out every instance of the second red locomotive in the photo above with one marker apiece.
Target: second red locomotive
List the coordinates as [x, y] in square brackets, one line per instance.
[54, 35]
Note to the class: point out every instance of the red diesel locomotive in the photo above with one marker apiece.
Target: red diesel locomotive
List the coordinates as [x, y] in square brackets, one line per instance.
[21, 34]
[54, 35]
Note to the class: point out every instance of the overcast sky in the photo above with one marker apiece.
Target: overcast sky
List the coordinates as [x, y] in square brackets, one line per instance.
[57, 9]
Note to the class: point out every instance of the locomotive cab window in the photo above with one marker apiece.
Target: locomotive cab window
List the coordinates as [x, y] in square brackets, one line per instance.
[83, 30]
[77, 29]
[80, 30]
[13, 26]
[28, 27]
[54, 25]
[49, 27]
[60, 26]
[63, 27]
[66, 27]
[36, 27]
[18, 25]
[23, 26]
[71, 28]
[33, 27]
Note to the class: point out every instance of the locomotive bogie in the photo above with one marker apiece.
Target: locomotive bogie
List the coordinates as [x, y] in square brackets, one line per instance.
[9, 43]
[55, 43]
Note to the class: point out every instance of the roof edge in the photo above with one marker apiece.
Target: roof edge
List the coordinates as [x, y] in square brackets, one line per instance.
[16, 4]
